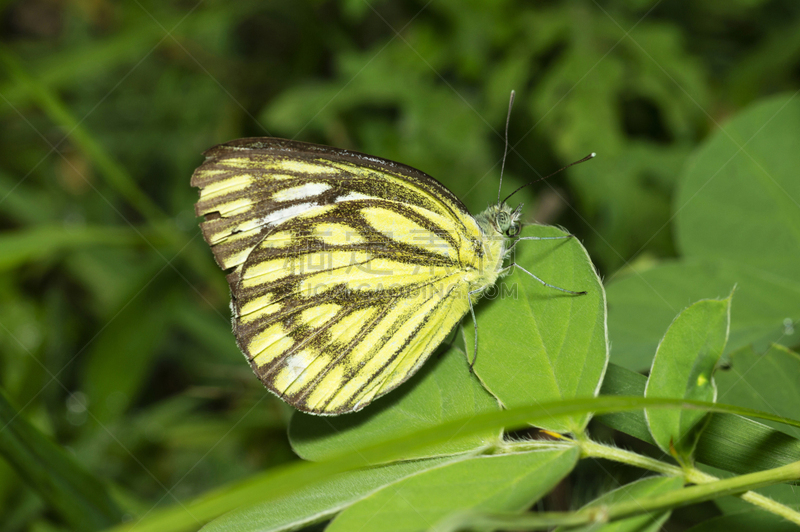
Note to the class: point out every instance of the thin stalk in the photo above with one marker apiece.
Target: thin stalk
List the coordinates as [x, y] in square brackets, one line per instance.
[590, 449]
[606, 513]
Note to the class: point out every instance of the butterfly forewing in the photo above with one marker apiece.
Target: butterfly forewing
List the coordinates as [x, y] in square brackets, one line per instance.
[346, 270]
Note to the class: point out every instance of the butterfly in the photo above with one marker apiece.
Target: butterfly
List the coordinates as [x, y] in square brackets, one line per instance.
[346, 270]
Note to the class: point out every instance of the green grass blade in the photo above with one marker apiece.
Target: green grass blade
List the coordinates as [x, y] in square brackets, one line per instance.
[278, 482]
[80, 499]
[114, 173]
[43, 242]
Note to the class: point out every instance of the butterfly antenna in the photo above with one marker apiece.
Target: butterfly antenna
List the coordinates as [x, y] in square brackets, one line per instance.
[590, 156]
[505, 150]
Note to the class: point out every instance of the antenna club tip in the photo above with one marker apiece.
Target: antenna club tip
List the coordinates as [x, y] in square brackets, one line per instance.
[593, 155]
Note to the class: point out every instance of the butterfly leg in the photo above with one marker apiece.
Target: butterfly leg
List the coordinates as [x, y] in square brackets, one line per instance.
[514, 264]
[475, 323]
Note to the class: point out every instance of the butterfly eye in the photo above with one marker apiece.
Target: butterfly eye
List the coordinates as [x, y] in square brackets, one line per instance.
[502, 219]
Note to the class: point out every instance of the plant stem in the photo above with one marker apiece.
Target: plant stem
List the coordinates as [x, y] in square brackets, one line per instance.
[604, 513]
[591, 449]
[699, 477]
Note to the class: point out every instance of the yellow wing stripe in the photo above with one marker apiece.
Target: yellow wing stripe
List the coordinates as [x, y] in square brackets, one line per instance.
[400, 351]
[345, 328]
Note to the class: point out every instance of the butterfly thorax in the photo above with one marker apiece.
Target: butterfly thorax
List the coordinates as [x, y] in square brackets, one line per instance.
[499, 225]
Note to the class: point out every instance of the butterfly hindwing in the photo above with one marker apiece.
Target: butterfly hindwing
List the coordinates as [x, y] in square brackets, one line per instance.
[325, 314]
[347, 270]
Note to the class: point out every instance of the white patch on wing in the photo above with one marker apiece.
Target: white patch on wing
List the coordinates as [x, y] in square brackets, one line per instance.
[296, 364]
[303, 191]
[354, 196]
[284, 214]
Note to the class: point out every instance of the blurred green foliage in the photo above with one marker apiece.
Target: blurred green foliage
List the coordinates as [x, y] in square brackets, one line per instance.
[114, 330]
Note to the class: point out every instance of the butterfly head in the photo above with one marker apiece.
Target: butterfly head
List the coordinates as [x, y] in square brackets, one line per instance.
[503, 219]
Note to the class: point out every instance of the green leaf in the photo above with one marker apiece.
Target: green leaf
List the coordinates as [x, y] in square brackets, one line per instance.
[538, 344]
[112, 170]
[594, 517]
[728, 442]
[737, 221]
[488, 483]
[641, 306]
[76, 496]
[442, 390]
[647, 487]
[683, 368]
[318, 502]
[766, 382]
[738, 200]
